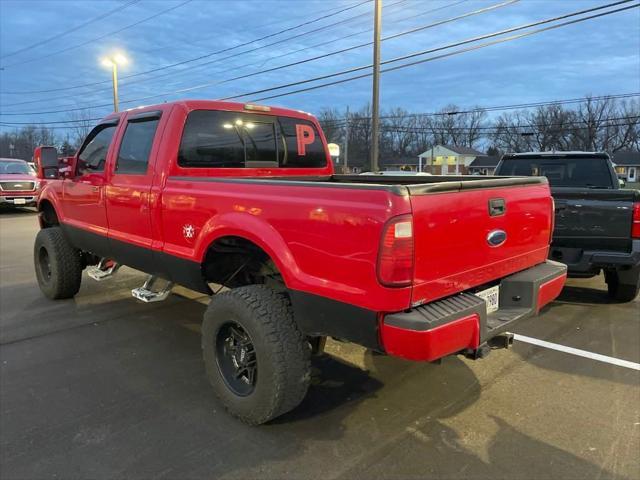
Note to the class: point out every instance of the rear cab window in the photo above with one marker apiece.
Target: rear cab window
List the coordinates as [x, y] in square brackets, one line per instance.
[586, 172]
[222, 139]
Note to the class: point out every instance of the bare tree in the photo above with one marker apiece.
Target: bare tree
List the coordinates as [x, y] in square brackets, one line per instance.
[82, 125]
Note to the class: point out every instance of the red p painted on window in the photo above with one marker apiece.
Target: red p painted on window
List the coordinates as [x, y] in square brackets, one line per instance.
[305, 136]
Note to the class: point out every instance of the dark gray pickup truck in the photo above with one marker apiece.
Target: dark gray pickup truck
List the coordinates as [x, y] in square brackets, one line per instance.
[597, 224]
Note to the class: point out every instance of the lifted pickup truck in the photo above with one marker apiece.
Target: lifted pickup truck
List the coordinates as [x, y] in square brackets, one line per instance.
[242, 199]
[597, 224]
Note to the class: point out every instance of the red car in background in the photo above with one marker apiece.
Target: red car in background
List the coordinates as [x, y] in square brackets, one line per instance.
[19, 185]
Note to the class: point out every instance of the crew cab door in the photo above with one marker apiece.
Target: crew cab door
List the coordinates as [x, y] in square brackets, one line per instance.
[128, 192]
[84, 205]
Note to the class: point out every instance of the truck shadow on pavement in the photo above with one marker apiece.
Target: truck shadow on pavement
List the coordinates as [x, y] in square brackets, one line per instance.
[436, 450]
[127, 396]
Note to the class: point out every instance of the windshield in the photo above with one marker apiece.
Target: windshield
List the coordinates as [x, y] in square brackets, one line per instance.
[562, 171]
[15, 168]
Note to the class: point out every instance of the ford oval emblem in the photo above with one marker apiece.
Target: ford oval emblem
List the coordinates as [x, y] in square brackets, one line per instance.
[496, 238]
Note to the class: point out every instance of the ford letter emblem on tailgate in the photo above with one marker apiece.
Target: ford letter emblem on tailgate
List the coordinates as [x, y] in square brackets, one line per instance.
[495, 238]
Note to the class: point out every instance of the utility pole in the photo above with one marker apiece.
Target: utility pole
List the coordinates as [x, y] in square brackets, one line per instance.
[375, 101]
[345, 165]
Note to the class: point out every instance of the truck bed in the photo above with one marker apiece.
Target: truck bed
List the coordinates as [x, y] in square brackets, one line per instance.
[332, 227]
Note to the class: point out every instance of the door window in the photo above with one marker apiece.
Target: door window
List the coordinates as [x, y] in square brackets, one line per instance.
[93, 154]
[135, 148]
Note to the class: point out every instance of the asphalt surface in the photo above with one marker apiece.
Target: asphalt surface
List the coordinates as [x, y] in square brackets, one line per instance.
[103, 386]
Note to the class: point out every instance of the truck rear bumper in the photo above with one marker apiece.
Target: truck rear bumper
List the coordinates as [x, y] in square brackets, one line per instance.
[590, 261]
[460, 323]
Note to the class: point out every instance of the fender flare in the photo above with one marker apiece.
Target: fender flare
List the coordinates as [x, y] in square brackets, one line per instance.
[49, 195]
[255, 230]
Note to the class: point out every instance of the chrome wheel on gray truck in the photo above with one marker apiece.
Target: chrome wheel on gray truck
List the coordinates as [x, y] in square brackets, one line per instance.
[256, 358]
[58, 265]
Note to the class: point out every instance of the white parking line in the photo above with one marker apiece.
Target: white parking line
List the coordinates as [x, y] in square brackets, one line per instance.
[580, 353]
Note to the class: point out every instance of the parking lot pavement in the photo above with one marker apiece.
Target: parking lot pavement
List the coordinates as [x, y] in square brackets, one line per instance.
[104, 387]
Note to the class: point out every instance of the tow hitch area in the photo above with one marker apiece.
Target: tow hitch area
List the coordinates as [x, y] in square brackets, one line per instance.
[504, 340]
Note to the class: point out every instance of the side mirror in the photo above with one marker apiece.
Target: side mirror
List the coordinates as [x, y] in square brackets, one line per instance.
[46, 160]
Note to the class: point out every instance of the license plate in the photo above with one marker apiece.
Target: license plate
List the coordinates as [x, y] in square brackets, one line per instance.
[491, 297]
[19, 201]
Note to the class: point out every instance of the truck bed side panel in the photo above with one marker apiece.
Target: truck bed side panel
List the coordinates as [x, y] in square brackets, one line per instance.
[324, 240]
[451, 232]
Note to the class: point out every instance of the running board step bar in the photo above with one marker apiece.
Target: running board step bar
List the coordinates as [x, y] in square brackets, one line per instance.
[146, 293]
[105, 269]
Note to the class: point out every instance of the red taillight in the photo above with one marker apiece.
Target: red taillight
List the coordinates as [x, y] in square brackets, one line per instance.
[395, 260]
[553, 219]
[635, 226]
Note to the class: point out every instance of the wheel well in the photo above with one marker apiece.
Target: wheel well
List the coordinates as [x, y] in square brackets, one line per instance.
[235, 261]
[48, 216]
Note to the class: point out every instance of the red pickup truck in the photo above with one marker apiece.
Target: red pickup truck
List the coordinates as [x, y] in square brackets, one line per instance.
[242, 199]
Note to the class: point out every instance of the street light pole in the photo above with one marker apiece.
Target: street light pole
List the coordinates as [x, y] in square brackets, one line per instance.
[375, 101]
[113, 61]
[114, 76]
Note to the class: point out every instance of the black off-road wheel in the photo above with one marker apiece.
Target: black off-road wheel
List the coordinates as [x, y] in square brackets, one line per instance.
[256, 358]
[58, 265]
[622, 292]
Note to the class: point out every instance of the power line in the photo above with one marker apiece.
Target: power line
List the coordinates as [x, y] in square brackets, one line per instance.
[87, 42]
[317, 19]
[71, 30]
[355, 117]
[253, 63]
[514, 106]
[438, 57]
[486, 130]
[403, 57]
[631, 120]
[351, 70]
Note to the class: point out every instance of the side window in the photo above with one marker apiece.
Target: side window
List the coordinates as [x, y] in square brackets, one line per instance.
[303, 145]
[135, 148]
[216, 139]
[93, 154]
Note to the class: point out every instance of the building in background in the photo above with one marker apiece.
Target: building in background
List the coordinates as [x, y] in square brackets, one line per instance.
[627, 164]
[484, 165]
[447, 160]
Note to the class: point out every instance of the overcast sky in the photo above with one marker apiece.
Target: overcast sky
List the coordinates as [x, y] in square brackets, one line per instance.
[57, 44]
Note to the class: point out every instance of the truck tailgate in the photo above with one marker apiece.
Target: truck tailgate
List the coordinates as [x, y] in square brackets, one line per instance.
[593, 219]
[464, 240]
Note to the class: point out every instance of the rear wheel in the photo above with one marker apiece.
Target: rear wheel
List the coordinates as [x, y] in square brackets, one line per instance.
[58, 265]
[256, 358]
[623, 286]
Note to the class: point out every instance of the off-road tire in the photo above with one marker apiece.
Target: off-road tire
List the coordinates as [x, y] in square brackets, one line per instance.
[62, 274]
[282, 352]
[622, 292]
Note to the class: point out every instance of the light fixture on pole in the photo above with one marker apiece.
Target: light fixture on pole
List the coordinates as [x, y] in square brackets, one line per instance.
[113, 61]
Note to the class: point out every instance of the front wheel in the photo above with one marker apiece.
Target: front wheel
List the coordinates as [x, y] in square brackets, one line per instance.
[58, 265]
[623, 286]
[256, 358]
